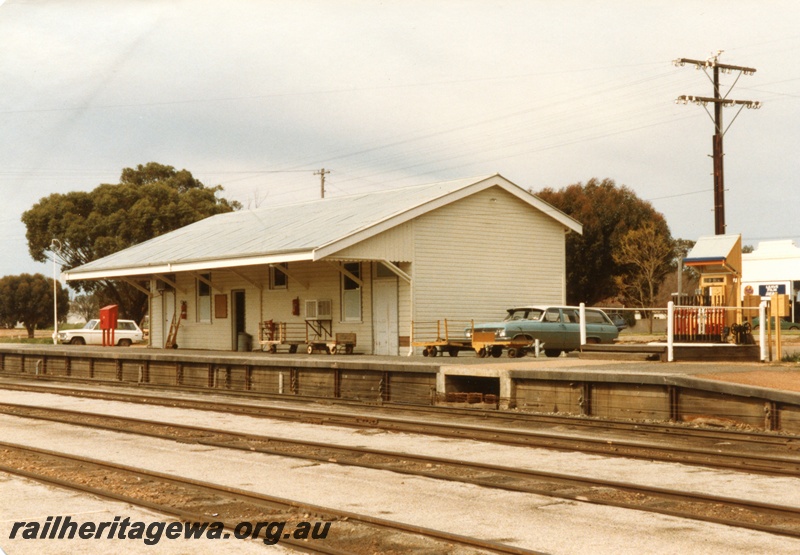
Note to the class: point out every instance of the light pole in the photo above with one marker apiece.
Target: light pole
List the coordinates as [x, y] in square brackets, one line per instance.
[55, 247]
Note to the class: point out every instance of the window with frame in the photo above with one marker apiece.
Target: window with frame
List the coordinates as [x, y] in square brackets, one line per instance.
[552, 315]
[351, 293]
[204, 299]
[277, 278]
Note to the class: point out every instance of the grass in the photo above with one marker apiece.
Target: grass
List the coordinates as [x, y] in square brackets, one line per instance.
[791, 357]
[41, 336]
[25, 339]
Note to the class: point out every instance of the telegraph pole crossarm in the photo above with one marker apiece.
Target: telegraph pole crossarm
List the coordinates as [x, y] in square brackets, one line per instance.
[321, 173]
[719, 102]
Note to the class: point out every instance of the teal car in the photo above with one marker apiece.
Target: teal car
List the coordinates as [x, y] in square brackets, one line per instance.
[556, 327]
[785, 324]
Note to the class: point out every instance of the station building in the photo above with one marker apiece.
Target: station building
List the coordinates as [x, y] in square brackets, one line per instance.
[371, 264]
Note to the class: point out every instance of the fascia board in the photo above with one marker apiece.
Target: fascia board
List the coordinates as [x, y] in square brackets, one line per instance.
[188, 266]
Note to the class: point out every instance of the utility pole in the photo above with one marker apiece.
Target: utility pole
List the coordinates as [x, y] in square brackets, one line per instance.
[321, 173]
[719, 101]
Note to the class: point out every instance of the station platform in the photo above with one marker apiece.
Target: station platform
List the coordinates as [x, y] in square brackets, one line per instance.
[748, 394]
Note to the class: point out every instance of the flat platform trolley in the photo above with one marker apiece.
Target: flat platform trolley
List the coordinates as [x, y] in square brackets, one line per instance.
[449, 336]
[274, 334]
[320, 337]
[339, 343]
[442, 336]
[485, 344]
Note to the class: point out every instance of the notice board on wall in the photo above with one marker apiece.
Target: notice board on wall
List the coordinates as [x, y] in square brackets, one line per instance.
[221, 306]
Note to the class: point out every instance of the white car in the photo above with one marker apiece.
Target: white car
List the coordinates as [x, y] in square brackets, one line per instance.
[126, 334]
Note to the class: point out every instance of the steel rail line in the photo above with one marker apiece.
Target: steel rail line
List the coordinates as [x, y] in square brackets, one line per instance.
[711, 457]
[214, 502]
[764, 517]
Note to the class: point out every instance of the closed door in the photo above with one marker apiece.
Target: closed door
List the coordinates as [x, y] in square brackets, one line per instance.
[384, 317]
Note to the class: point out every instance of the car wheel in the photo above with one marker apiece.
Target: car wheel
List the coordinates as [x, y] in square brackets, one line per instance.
[794, 328]
[124, 343]
[77, 341]
[552, 352]
[512, 352]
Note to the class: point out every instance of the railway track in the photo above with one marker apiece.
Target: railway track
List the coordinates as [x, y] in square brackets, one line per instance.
[769, 454]
[764, 517]
[205, 502]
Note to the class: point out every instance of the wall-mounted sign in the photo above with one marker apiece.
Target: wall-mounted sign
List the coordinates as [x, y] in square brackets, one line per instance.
[771, 289]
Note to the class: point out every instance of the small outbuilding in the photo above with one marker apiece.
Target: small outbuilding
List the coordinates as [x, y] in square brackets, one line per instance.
[370, 265]
[773, 267]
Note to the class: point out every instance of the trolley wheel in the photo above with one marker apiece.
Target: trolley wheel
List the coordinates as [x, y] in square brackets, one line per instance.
[273, 349]
[292, 348]
[310, 349]
[497, 350]
[512, 352]
[452, 351]
[425, 351]
[333, 350]
[482, 352]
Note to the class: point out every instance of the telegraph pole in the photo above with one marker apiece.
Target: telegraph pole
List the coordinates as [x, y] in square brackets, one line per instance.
[719, 101]
[321, 173]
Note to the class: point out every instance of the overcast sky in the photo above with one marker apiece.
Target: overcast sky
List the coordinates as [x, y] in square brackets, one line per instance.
[256, 96]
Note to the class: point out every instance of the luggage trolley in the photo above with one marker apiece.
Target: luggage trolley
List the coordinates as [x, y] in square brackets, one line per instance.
[273, 334]
[485, 344]
[320, 337]
[438, 337]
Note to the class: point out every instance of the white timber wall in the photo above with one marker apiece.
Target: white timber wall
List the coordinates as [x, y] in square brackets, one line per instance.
[483, 254]
[317, 280]
[320, 280]
[218, 332]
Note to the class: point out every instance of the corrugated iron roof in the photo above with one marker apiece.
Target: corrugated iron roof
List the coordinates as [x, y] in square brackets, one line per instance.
[286, 232]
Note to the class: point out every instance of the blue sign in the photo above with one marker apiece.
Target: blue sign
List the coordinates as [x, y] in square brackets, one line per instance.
[771, 289]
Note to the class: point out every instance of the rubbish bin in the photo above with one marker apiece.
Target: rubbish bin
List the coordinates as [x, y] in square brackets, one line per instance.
[245, 342]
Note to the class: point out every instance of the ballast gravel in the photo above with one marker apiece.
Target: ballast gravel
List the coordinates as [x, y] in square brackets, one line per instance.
[530, 521]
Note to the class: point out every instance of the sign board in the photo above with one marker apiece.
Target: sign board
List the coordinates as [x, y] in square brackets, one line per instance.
[770, 289]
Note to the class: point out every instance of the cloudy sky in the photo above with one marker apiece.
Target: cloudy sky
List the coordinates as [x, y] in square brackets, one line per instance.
[258, 95]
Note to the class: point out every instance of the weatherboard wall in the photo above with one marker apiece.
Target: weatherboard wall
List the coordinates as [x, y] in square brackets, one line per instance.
[484, 253]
